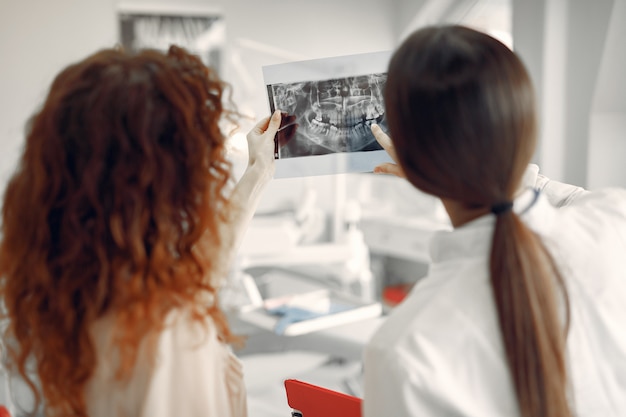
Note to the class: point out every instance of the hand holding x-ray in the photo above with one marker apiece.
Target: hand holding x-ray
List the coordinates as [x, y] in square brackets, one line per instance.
[286, 131]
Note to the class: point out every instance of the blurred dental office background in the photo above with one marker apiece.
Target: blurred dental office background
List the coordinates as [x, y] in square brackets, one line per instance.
[574, 50]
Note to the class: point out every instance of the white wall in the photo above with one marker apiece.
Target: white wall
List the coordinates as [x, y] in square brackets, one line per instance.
[586, 49]
[37, 39]
[607, 137]
[574, 51]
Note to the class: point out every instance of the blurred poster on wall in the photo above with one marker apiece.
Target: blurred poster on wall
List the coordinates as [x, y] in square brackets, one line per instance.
[201, 32]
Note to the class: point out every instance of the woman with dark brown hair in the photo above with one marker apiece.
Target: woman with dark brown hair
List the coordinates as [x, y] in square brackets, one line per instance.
[522, 312]
[118, 227]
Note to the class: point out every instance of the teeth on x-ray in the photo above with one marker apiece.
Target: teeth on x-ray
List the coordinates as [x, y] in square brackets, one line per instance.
[333, 114]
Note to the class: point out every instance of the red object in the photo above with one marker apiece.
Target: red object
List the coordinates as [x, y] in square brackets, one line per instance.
[394, 294]
[315, 401]
[4, 412]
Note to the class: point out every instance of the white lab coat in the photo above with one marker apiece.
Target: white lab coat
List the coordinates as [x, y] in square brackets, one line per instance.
[440, 352]
[195, 375]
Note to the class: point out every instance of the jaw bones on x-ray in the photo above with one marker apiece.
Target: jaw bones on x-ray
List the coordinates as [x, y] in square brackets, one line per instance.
[331, 115]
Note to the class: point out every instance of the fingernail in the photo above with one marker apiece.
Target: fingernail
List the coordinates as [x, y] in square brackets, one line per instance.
[375, 126]
[276, 113]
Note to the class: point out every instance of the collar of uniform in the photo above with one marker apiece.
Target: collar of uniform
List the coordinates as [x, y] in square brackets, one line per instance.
[473, 239]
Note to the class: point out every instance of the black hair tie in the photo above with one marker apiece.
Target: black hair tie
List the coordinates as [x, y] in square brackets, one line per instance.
[501, 208]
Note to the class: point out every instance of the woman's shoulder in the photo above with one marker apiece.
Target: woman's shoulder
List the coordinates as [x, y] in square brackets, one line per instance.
[610, 200]
[597, 219]
[561, 194]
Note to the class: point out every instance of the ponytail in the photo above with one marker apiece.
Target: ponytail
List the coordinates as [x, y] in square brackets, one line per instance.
[525, 284]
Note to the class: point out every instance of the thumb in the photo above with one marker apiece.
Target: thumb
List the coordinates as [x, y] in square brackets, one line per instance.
[274, 122]
[390, 169]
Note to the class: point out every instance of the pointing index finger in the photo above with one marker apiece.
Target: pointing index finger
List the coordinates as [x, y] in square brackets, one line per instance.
[385, 141]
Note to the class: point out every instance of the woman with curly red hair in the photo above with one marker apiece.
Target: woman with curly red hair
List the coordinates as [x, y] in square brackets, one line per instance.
[117, 228]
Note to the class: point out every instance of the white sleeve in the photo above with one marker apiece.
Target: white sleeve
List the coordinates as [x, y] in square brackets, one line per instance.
[559, 194]
[195, 375]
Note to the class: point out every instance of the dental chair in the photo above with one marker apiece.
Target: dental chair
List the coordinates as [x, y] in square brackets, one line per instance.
[294, 268]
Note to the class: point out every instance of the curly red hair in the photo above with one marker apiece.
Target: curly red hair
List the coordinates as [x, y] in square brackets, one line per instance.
[123, 177]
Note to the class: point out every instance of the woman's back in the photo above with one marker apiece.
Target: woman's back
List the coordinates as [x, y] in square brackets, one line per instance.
[190, 373]
[441, 352]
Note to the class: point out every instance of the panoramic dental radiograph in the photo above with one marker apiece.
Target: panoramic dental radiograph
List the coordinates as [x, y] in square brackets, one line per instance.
[329, 116]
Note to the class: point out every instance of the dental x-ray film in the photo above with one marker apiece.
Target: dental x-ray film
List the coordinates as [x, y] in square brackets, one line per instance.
[328, 107]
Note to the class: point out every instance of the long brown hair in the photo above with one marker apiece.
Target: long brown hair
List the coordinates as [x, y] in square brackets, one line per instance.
[123, 175]
[462, 117]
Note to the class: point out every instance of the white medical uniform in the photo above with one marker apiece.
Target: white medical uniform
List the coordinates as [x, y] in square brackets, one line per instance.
[195, 375]
[440, 352]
